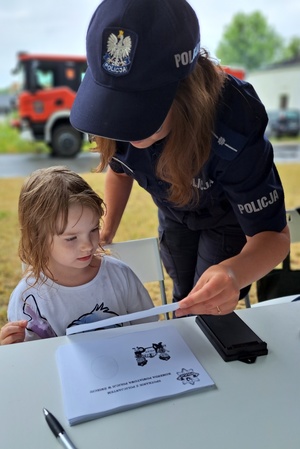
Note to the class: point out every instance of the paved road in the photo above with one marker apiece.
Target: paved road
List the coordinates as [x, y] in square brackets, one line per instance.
[16, 165]
[289, 152]
[22, 165]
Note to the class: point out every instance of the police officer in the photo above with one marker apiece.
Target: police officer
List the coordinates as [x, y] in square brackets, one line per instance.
[166, 115]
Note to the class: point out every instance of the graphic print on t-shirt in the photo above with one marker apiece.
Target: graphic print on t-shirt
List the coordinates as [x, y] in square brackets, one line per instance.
[38, 324]
[100, 312]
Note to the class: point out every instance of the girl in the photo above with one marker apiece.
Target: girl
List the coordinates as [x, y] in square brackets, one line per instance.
[68, 281]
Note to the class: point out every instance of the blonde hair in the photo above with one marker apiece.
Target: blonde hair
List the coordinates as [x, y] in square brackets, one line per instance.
[188, 144]
[44, 203]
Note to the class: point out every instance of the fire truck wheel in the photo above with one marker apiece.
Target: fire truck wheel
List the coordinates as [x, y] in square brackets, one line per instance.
[66, 141]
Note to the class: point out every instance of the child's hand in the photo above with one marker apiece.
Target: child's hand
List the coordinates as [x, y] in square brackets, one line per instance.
[13, 332]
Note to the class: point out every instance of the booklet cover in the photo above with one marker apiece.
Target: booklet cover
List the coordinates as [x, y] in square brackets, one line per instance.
[104, 376]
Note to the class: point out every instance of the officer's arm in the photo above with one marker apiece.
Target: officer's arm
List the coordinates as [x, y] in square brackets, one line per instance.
[116, 194]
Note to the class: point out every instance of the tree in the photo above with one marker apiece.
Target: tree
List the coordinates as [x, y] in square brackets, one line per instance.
[292, 50]
[249, 41]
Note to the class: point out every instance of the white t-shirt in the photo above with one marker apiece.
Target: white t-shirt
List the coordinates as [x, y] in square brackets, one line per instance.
[51, 308]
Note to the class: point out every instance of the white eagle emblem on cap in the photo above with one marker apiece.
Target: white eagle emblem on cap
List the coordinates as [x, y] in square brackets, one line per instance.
[117, 58]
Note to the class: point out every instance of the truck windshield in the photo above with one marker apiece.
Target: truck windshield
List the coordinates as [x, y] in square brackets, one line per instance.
[44, 78]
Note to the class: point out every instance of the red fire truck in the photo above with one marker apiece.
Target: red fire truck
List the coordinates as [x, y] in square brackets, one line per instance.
[48, 85]
[238, 72]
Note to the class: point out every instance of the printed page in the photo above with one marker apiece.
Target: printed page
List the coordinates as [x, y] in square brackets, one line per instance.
[104, 376]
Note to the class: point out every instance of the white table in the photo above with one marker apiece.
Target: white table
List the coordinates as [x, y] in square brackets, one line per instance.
[254, 406]
[281, 300]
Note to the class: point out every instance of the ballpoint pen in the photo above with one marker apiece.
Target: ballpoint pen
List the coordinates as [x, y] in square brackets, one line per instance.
[58, 430]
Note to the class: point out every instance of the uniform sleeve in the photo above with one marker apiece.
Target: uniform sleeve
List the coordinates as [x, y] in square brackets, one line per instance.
[253, 187]
[116, 164]
[243, 164]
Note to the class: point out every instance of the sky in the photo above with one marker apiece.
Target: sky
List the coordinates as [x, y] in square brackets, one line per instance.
[59, 26]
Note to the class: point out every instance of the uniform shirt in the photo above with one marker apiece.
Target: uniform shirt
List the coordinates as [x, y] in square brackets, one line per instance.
[51, 308]
[238, 183]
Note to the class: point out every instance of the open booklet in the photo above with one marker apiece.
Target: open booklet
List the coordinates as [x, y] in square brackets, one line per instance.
[104, 376]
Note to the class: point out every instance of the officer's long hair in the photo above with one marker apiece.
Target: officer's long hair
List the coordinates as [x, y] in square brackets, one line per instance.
[188, 145]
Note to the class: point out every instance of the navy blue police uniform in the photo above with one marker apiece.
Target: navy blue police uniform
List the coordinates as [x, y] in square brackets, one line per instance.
[239, 188]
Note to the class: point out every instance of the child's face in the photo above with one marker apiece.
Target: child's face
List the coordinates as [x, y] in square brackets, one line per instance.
[77, 245]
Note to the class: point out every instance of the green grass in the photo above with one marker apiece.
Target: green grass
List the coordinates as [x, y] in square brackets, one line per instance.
[11, 143]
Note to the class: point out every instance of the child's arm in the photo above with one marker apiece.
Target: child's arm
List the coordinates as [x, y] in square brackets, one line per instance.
[13, 332]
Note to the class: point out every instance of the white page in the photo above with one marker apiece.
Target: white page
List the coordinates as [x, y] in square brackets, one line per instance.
[122, 319]
[104, 376]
